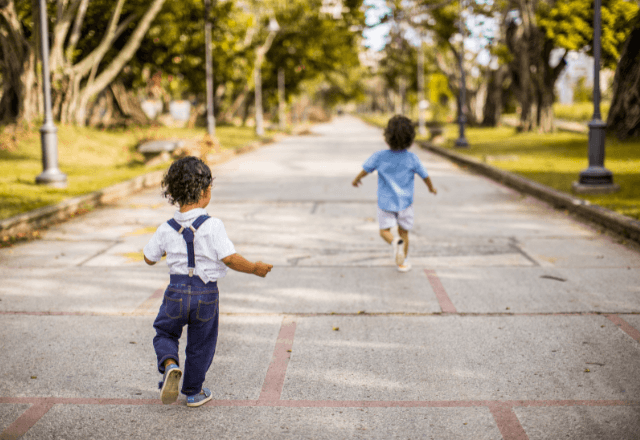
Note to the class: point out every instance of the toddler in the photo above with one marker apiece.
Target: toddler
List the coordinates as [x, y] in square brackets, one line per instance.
[198, 253]
[396, 168]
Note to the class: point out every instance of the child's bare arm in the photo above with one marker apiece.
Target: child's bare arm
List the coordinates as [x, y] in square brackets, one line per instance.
[356, 182]
[427, 181]
[151, 263]
[239, 263]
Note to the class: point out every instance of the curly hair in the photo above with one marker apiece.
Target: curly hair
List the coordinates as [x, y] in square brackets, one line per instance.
[185, 180]
[399, 133]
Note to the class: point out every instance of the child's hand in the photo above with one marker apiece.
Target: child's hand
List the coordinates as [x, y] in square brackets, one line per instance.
[262, 269]
[356, 182]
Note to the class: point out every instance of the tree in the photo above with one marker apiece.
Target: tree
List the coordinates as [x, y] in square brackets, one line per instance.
[438, 20]
[18, 61]
[91, 43]
[542, 26]
[624, 114]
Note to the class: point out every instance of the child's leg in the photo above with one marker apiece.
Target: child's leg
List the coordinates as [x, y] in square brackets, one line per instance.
[386, 235]
[405, 223]
[202, 337]
[405, 237]
[168, 326]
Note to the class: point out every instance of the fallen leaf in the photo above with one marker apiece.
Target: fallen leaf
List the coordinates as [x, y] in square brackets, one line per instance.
[34, 377]
[132, 342]
[335, 329]
[360, 312]
[586, 370]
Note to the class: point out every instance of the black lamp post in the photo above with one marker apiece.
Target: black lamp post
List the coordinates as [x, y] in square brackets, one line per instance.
[211, 120]
[461, 142]
[51, 175]
[596, 179]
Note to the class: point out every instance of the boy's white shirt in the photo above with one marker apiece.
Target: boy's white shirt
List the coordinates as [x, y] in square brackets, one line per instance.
[211, 245]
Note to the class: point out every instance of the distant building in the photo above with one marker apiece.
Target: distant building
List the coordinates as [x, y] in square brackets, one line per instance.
[579, 65]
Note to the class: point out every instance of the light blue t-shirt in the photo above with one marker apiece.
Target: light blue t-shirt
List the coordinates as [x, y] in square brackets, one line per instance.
[396, 171]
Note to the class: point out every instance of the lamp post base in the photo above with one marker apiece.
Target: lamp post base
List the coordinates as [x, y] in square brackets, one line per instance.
[595, 180]
[579, 188]
[461, 143]
[53, 178]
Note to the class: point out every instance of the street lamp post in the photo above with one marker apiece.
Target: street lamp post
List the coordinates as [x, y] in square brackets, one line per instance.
[51, 175]
[421, 101]
[211, 120]
[273, 29]
[461, 142]
[596, 179]
[281, 100]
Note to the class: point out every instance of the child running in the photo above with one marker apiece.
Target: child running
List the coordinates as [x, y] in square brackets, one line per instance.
[198, 253]
[396, 168]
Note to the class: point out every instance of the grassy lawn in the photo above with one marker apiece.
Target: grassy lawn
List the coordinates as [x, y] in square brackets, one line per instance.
[554, 160]
[580, 111]
[92, 159]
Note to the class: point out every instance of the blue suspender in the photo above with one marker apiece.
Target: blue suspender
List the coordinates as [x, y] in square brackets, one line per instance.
[189, 234]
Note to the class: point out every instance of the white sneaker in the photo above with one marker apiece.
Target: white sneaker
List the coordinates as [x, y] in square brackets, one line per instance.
[398, 250]
[405, 267]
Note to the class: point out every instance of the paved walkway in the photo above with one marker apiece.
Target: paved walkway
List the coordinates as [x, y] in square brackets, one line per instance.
[516, 322]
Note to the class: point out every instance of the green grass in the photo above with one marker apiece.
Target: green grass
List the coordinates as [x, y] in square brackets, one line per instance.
[579, 112]
[553, 159]
[92, 159]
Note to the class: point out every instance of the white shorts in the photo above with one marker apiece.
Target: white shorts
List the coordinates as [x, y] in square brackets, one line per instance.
[404, 218]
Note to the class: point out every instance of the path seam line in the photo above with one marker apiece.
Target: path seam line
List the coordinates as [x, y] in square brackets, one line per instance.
[443, 299]
[507, 422]
[274, 379]
[625, 326]
[26, 420]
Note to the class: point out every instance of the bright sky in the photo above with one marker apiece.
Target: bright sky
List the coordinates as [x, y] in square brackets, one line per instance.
[375, 36]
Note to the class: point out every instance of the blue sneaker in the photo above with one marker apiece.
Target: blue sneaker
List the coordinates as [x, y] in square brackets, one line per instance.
[169, 385]
[199, 399]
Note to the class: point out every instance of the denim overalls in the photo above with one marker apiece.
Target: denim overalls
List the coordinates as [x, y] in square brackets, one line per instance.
[188, 301]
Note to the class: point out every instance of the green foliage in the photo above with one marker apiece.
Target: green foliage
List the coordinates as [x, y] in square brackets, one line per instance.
[569, 24]
[311, 44]
[582, 93]
[439, 95]
[175, 46]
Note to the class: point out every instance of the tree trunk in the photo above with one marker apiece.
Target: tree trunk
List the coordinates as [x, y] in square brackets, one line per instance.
[624, 114]
[19, 84]
[113, 69]
[75, 85]
[493, 103]
[128, 104]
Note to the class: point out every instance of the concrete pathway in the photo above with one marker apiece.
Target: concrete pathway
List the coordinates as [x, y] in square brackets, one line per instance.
[516, 322]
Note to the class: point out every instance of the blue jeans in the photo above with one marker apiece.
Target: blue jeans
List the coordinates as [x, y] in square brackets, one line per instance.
[188, 301]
